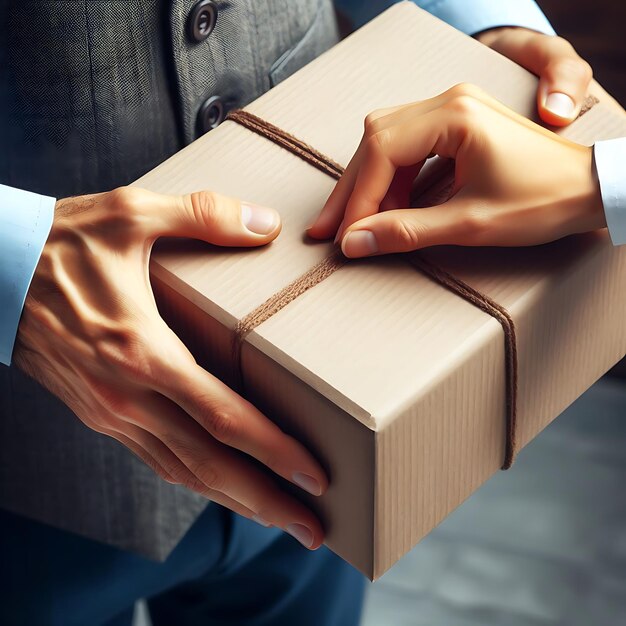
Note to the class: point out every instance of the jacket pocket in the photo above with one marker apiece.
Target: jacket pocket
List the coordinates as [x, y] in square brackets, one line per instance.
[321, 35]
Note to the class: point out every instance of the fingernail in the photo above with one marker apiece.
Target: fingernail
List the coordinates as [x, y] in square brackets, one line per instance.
[260, 520]
[301, 533]
[359, 243]
[259, 219]
[339, 232]
[308, 483]
[560, 104]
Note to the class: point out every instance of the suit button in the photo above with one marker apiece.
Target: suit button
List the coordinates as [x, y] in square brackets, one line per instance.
[211, 114]
[202, 20]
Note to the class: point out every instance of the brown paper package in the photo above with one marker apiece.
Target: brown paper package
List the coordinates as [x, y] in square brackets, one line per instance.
[396, 384]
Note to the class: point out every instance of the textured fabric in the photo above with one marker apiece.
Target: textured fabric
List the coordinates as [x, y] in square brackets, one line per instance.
[240, 59]
[610, 160]
[227, 570]
[88, 103]
[469, 16]
[93, 94]
[25, 220]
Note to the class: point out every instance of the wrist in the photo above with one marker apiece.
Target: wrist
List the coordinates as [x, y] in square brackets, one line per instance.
[585, 210]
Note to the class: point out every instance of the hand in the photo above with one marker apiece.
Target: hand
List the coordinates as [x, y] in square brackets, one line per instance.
[564, 78]
[91, 333]
[516, 183]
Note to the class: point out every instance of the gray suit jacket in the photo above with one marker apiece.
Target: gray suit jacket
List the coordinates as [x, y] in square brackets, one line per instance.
[92, 95]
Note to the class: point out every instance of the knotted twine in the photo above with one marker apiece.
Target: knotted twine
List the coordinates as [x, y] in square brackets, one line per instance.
[331, 264]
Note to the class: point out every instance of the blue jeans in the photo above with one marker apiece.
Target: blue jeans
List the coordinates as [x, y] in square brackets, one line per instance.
[226, 570]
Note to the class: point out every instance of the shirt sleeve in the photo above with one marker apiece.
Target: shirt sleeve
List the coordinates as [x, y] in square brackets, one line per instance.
[610, 160]
[25, 223]
[469, 16]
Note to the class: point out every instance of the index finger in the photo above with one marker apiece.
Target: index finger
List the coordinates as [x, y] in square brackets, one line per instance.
[392, 147]
[328, 221]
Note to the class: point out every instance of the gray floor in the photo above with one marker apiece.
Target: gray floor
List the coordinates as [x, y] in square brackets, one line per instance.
[542, 544]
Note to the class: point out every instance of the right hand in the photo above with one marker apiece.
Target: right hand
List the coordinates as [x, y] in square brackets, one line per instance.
[515, 183]
[91, 333]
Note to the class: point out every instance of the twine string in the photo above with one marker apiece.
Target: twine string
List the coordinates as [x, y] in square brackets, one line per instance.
[331, 264]
[280, 300]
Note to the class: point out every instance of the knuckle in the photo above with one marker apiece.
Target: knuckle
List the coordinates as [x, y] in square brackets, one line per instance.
[372, 122]
[407, 235]
[464, 106]
[125, 198]
[476, 223]
[463, 89]
[178, 472]
[223, 425]
[369, 123]
[192, 483]
[208, 474]
[204, 207]
[127, 215]
[378, 142]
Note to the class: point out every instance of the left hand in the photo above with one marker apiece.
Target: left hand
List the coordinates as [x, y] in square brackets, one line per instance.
[564, 77]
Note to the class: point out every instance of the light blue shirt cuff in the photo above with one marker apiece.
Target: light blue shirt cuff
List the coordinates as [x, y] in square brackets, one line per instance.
[474, 16]
[25, 223]
[469, 16]
[610, 160]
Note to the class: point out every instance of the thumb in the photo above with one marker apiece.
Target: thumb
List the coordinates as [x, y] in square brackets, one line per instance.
[564, 77]
[563, 85]
[404, 230]
[220, 220]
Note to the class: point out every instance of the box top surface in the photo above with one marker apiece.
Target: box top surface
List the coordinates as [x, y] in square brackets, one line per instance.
[375, 334]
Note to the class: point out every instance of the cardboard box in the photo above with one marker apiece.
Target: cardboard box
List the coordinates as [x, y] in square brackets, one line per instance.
[396, 384]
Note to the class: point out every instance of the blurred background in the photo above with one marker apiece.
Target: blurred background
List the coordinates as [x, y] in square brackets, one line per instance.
[598, 32]
[543, 544]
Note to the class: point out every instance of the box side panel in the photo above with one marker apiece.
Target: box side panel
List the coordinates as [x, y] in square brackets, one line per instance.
[570, 331]
[439, 451]
[343, 445]
[572, 334]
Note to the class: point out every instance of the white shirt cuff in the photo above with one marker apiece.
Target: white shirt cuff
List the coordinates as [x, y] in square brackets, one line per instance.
[610, 160]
